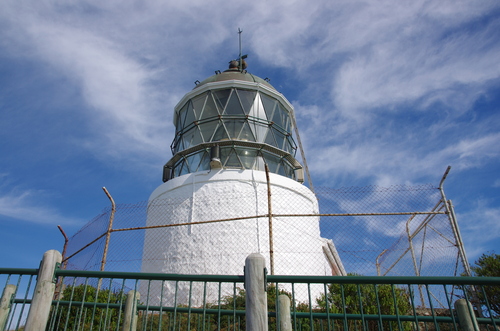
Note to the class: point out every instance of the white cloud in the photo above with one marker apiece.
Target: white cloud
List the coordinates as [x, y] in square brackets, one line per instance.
[114, 85]
[394, 157]
[26, 206]
[424, 68]
[479, 226]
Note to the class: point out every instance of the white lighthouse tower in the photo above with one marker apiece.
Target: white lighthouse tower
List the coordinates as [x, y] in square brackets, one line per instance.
[228, 128]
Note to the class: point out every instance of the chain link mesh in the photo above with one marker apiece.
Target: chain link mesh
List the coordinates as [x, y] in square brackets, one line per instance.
[399, 230]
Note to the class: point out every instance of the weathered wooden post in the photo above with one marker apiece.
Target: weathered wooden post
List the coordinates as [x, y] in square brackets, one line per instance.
[130, 314]
[5, 303]
[256, 298]
[284, 312]
[466, 317]
[44, 292]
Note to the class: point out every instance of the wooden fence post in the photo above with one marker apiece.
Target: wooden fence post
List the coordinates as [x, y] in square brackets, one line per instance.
[466, 317]
[130, 315]
[284, 312]
[5, 303]
[44, 292]
[256, 296]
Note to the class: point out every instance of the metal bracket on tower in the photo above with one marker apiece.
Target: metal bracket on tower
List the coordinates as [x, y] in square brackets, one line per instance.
[215, 162]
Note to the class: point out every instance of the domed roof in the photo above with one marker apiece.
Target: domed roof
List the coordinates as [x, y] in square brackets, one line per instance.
[235, 74]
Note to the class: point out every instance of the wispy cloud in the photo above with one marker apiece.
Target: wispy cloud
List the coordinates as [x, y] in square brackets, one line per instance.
[121, 102]
[481, 222]
[403, 161]
[430, 63]
[28, 206]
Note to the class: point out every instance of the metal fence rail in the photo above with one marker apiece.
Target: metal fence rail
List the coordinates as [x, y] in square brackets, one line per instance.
[93, 300]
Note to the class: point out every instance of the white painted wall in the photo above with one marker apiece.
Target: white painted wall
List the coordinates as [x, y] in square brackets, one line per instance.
[221, 248]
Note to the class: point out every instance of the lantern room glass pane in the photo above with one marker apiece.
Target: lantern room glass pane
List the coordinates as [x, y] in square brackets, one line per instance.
[270, 138]
[175, 144]
[288, 171]
[220, 98]
[278, 116]
[190, 118]
[285, 118]
[176, 170]
[233, 106]
[272, 162]
[260, 163]
[183, 144]
[181, 117]
[205, 162]
[290, 146]
[257, 109]
[247, 157]
[232, 160]
[198, 103]
[281, 169]
[187, 138]
[184, 169]
[194, 161]
[260, 131]
[280, 139]
[234, 127]
[178, 167]
[269, 105]
[195, 137]
[220, 133]
[246, 133]
[247, 99]
[207, 129]
[210, 109]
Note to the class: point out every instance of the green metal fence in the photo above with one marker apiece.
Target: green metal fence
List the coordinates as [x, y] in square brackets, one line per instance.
[89, 300]
[16, 303]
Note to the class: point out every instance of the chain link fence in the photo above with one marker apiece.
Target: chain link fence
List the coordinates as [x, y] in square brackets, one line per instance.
[398, 230]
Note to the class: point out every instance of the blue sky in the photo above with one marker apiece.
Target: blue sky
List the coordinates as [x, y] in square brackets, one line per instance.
[385, 92]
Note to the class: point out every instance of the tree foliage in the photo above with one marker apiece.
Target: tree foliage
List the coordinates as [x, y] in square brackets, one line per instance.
[77, 317]
[237, 302]
[367, 299]
[488, 265]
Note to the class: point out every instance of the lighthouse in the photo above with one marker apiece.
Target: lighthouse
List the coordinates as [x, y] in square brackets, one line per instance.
[233, 165]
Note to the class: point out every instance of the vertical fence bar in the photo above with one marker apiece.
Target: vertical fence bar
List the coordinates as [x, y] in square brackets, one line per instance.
[256, 298]
[110, 226]
[5, 304]
[465, 314]
[284, 313]
[108, 234]
[66, 240]
[270, 215]
[454, 225]
[44, 292]
[130, 315]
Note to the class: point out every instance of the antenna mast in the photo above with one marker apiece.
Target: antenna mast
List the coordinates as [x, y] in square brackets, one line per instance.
[240, 56]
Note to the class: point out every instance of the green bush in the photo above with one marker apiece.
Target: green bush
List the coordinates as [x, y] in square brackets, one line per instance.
[488, 265]
[76, 317]
[369, 300]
